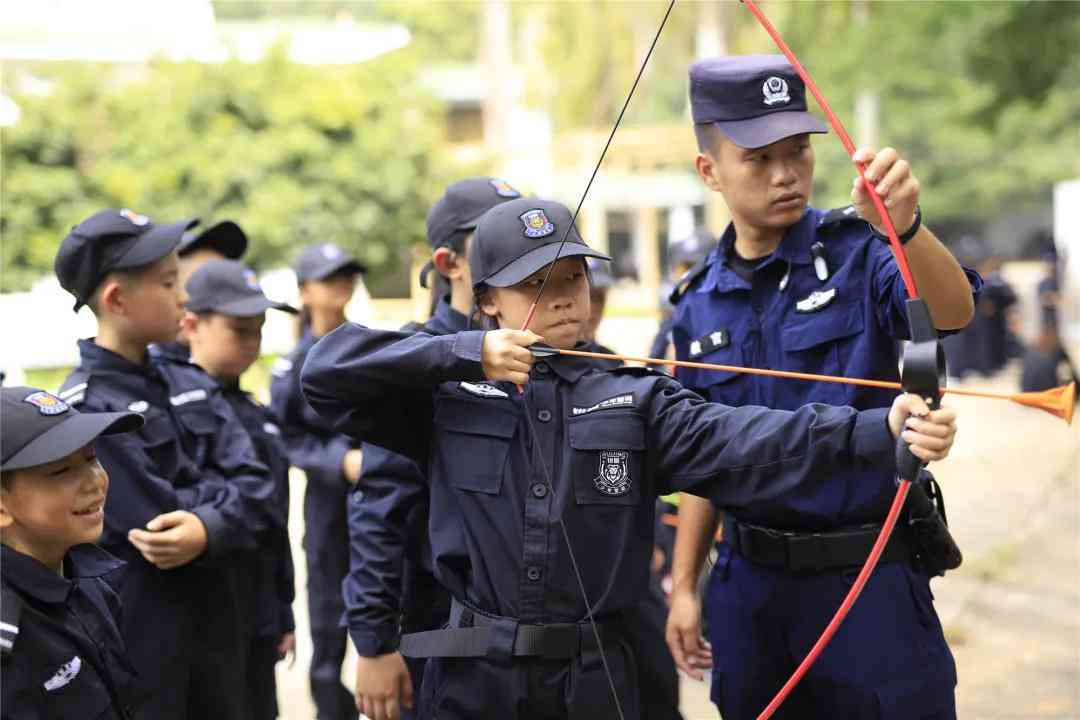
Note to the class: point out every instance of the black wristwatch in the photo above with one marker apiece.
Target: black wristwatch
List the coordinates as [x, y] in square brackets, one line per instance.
[907, 235]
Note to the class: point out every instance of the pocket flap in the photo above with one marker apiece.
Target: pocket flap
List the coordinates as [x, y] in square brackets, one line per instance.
[608, 431]
[839, 320]
[476, 418]
[201, 420]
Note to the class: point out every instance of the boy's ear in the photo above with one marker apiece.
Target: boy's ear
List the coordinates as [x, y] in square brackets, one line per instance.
[444, 260]
[5, 517]
[706, 168]
[189, 323]
[486, 303]
[112, 297]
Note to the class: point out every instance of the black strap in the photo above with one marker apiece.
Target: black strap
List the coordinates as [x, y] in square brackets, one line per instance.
[557, 641]
[801, 552]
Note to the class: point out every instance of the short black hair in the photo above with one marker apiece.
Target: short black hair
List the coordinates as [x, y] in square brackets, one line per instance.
[126, 277]
[706, 134]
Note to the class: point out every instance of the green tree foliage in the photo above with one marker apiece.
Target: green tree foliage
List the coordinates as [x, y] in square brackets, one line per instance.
[295, 154]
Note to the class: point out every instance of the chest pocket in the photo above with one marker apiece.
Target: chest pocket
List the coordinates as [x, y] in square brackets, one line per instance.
[199, 424]
[822, 342]
[158, 437]
[607, 458]
[718, 385]
[83, 695]
[472, 443]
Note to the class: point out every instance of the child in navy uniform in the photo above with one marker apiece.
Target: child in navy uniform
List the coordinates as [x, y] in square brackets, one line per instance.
[62, 655]
[226, 312]
[331, 461]
[581, 449]
[188, 489]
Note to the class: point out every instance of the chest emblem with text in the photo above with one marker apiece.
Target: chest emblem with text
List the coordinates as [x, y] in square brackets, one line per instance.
[614, 477]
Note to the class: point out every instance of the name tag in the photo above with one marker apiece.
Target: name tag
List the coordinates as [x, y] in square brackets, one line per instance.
[185, 397]
[619, 401]
[707, 343]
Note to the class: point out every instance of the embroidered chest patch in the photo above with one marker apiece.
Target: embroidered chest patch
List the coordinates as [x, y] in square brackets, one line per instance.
[614, 473]
[707, 343]
[64, 675]
[482, 390]
[619, 401]
[815, 301]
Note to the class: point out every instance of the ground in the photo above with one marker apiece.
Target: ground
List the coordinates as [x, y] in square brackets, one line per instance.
[1010, 612]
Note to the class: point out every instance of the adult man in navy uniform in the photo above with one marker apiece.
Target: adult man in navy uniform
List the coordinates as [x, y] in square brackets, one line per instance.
[792, 287]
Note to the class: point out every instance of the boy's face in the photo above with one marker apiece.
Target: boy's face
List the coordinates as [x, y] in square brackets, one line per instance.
[195, 260]
[45, 510]
[332, 293]
[224, 346]
[597, 303]
[563, 312]
[153, 302]
[768, 187]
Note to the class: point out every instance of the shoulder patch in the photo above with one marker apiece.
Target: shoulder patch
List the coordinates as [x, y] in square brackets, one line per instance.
[10, 612]
[482, 390]
[687, 281]
[281, 367]
[839, 216]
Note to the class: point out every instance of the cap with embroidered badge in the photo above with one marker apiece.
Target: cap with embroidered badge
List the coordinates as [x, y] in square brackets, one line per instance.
[40, 428]
[515, 239]
[230, 288]
[755, 100]
[321, 260]
[112, 240]
[226, 237]
[459, 210]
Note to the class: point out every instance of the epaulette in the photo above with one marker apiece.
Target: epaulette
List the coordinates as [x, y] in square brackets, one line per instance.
[10, 612]
[688, 279]
[839, 216]
[636, 371]
[73, 391]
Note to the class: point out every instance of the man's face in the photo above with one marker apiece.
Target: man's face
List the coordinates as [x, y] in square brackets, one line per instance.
[223, 345]
[49, 508]
[563, 311]
[154, 302]
[767, 187]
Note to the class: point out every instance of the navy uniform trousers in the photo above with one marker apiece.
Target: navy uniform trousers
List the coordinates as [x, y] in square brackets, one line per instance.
[829, 300]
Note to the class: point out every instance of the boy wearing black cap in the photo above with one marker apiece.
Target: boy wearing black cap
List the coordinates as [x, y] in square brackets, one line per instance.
[389, 588]
[327, 277]
[580, 449]
[61, 651]
[226, 311]
[791, 287]
[186, 493]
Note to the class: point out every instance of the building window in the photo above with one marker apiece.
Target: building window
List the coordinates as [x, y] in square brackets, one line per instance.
[620, 228]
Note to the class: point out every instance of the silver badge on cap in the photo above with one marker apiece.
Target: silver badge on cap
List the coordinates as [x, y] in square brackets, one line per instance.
[134, 218]
[331, 251]
[776, 91]
[46, 403]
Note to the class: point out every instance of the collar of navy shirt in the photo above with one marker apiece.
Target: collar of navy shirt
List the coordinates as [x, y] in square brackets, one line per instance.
[568, 367]
[793, 249]
[96, 359]
[34, 579]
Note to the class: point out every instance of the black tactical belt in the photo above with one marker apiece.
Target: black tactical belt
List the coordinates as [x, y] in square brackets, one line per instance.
[802, 552]
[479, 638]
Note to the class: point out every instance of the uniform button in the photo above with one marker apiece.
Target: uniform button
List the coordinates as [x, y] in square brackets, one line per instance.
[533, 573]
[542, 368]
[544, 416]
[539, 489]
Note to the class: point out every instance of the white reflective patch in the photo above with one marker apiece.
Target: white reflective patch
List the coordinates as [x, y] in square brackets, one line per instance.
[65, 674]
[73, 390]
[186, 397]
[271, 429]
[482, 390]
[815, 300]
[281, 367]
[613, 402]
[139, 406]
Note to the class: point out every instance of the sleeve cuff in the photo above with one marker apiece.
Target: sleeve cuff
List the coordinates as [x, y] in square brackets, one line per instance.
[216, 529]
[372, 642]
[872, 440]
[335, 457]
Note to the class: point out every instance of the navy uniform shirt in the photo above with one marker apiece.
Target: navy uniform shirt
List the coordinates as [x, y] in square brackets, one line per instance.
[273, 584]
[612, 440]
[390, 588]
[786, 317]
[313, 445]
[62, 656]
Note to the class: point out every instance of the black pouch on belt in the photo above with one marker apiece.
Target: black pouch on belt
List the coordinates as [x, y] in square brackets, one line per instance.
[927, 528]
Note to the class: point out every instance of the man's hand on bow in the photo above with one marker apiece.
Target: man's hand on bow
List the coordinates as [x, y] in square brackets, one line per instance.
[930, 434]
[505, 355]
[891, 176]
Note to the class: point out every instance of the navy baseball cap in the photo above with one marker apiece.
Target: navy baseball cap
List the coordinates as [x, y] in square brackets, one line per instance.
[226, 237]
[320, 261]
[516, 238]
[600, 277]
[112, 240]
[229, 288]
[460, 209]
[40, 428]
[755, 100]
[692, 249]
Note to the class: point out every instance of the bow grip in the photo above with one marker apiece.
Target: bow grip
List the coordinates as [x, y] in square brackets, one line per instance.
[924, 374]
